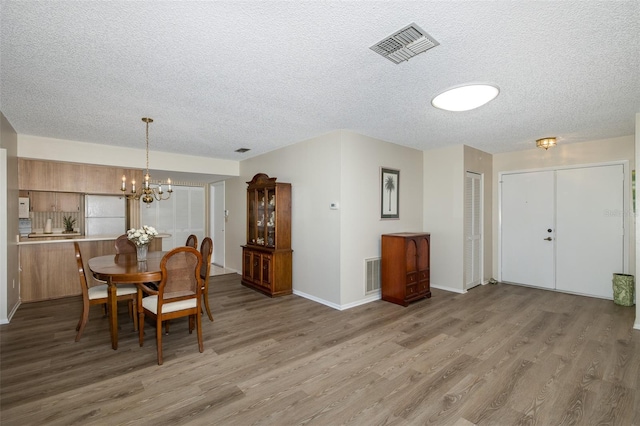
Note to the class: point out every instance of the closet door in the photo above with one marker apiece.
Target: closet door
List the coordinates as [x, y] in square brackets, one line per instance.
[527, 228]
[473, 230]
[590, 224]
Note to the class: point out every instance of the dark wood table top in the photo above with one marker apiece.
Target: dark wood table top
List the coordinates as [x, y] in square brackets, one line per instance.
[125, 268]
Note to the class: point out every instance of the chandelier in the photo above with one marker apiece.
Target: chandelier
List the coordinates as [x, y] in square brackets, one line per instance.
[147, 193]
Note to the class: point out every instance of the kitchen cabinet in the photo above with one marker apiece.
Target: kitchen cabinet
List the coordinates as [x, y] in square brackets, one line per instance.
[42, 175]
[44, 201]
[67, 202]
[108, 180]
[69, 177]
[267, 256]
[48, 268]
[405, 267]
[36, 175]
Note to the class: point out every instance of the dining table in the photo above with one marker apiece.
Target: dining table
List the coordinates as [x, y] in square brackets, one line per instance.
[124, 269]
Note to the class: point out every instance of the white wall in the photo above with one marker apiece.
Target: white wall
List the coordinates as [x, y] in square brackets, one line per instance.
[444, 215]
[9, 272]
[235, 229]
[637, 158]
[313, 169]
[329, 246]
[360, 226]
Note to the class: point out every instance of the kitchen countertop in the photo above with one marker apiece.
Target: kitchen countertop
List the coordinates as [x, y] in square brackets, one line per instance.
[55, 234]
[52, 238]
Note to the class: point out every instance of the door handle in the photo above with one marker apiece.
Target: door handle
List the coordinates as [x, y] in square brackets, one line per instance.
[548, 239]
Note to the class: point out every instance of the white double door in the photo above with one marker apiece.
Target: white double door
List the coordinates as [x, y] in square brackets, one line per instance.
[563, 229]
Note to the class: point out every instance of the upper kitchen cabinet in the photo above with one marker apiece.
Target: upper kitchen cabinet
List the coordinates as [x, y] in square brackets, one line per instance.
[41, 175]
[108, 180]
[69, 177]
[42, 201]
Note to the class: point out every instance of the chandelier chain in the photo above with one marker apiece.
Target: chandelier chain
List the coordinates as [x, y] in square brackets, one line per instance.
[147, 136]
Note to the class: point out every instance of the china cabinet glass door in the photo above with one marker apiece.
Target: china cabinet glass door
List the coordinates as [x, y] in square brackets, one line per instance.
[252, 214]
[271, 217]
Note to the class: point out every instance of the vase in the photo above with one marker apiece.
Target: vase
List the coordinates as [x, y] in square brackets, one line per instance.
[141, 252]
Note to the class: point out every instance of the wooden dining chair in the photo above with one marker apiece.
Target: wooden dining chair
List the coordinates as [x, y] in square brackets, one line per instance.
[124, 245]
[206, 248]
[178, 295]
[97, 295]
[192, 241]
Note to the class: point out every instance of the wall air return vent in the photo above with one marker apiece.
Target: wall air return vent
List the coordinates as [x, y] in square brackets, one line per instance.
[372, 275]
[405, 44]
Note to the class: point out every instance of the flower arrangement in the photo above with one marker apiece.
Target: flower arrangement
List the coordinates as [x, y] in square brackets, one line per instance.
[141, 236]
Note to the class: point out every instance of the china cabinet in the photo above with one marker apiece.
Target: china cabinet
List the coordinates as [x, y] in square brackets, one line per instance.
[267, 256]
[405, 267]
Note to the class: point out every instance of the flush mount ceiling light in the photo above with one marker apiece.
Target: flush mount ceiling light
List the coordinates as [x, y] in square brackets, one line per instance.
[546, 143]
[465, 98]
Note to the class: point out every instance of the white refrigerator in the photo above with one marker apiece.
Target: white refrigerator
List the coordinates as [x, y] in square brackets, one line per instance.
[104, 215]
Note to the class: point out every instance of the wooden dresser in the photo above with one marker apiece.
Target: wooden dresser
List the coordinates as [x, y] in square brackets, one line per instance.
[405, 267]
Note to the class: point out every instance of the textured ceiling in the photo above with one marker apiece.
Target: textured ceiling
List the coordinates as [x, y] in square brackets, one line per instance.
[221, 75]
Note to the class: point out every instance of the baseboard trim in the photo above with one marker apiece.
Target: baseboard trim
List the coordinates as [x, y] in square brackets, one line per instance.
[446, 288]
[316, 299]
[11, 314]
[369, 299]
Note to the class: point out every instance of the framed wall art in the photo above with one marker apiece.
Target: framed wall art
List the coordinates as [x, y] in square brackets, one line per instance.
[389, 193]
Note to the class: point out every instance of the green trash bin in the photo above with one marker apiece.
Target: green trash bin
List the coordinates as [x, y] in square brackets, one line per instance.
[623, 288]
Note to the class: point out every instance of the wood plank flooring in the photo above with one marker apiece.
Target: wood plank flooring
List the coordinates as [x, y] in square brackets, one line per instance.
[498, 355]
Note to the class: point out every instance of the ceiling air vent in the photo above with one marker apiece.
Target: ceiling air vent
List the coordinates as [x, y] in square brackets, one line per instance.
[405, 44]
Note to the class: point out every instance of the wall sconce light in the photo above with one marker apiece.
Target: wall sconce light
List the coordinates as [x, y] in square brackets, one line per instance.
[546, 143]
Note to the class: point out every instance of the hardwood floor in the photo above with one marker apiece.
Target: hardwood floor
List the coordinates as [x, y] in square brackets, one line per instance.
[498, 355]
